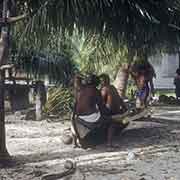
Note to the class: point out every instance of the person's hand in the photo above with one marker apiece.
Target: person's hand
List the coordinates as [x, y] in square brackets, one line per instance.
[155, 75]
[153, 93]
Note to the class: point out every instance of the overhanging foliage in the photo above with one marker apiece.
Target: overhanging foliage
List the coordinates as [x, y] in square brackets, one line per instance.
[138, 24]
[39, 65]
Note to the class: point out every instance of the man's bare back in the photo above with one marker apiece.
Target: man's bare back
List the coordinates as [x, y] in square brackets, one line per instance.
[87, 100]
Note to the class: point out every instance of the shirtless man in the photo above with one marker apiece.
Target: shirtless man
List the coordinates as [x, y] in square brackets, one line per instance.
[88, 97]
[110, 96]
[88, 108]
[143, 75]
[113, 103]
[77, 82]
[149, 75]
[177, 84]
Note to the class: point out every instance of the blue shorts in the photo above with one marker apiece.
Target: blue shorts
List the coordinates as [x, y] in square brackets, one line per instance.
[143, 93]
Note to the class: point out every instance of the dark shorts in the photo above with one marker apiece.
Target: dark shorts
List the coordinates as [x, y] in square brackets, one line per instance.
[177, 91]
[92, 133]
[143, 93]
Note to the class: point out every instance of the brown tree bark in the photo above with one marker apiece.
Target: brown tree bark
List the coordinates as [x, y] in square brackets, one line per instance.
[3, 150]
[5, 22]
[122, 76]
[41, 98]
[122, 80]
[4, 49]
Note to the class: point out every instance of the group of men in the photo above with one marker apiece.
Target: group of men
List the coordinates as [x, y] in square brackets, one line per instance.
[94, 107]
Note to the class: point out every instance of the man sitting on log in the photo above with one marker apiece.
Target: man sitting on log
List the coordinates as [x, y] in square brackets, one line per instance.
[110, 96]
[113, 102]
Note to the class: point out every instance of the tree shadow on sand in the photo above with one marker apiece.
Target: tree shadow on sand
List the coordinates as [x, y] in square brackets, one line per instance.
[143, 133]
[152, 131]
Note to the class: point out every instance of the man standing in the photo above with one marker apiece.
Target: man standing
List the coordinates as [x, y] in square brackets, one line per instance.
[143, 73]
[177, 84]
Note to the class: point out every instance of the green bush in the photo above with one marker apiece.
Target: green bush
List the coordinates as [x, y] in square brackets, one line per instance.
[131, 89]
[60, 101]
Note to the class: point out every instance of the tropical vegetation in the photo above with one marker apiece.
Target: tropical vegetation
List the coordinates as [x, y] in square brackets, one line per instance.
[133, 26]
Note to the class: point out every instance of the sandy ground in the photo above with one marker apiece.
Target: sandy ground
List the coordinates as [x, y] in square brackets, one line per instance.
[148, 150]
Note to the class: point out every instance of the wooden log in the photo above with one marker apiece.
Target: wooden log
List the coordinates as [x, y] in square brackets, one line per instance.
[128, 117]
[6, 66]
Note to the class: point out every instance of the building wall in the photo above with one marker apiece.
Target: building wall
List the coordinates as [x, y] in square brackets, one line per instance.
[165, 66]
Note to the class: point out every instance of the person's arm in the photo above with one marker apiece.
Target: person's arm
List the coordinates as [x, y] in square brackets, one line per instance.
[123, 105]
[74, 111]
[103, 94]
[101, 104]
[152, 86]
[106, 95]
[175, 81]
[76, 94]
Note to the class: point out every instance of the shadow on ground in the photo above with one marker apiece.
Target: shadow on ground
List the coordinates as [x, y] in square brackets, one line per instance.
[142, 133]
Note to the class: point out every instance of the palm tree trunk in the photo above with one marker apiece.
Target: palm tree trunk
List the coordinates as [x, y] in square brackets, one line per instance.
[122, 76]
[3, 151]
[38, 106]
[122, 80]
[4, 49]
[40, 99]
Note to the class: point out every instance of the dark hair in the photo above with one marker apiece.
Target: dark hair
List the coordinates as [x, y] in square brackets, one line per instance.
[92, 79]
[178, 71]
[105, 77]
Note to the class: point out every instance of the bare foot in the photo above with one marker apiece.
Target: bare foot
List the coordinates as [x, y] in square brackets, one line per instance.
[111, 147]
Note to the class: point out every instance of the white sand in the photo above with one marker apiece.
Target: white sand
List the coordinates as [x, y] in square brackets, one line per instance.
[149, 149]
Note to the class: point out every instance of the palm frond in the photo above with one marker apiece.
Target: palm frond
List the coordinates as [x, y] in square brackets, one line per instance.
[135, 23]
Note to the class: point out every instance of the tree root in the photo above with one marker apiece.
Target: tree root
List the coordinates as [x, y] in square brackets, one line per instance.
[69, 165]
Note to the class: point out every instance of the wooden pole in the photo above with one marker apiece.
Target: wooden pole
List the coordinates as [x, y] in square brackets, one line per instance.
[4, 50]
[41, 98]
